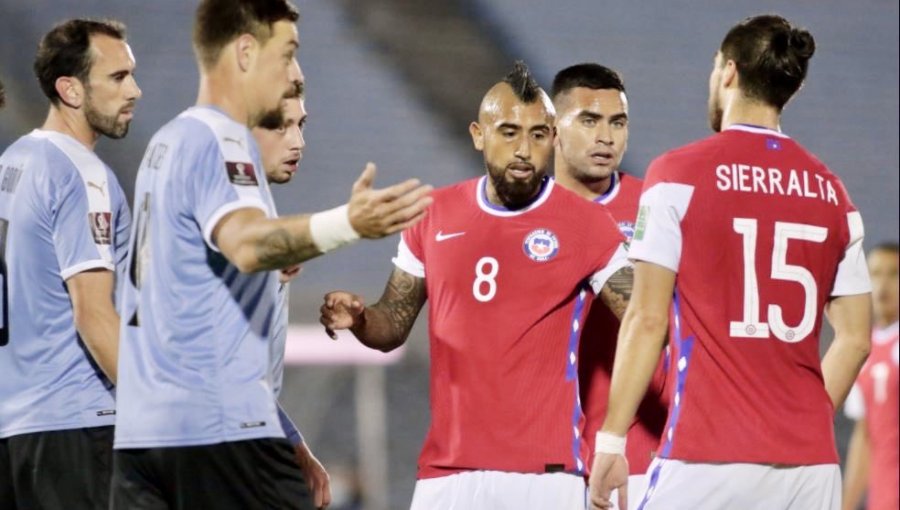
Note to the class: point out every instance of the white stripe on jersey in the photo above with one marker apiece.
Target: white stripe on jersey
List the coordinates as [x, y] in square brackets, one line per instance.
[406, 261]
[96, 187]
[233, 144]
[657, 232]
[853, 273]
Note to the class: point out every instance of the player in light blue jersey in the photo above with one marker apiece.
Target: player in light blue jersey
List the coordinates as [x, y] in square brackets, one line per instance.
[281, 144]
[63, 235]
[198, 425]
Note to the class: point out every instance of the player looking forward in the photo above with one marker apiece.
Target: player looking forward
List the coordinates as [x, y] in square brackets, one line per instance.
[504, 269]
[873, 457]
[592, 137]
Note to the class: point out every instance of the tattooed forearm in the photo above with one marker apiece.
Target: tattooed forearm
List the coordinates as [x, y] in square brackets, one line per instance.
[617, 292]
[279, 249]
[399, 306]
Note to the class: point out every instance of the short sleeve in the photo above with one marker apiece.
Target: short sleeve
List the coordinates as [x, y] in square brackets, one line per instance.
[657, 231]
[852, 273]
[618, 260]
[222, 183]
[407, 260]
[854, 406]
[83, 225]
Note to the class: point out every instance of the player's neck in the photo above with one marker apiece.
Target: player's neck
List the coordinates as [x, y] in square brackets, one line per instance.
[588, 190]
[754, 113]
[70, 122]
[217, 91]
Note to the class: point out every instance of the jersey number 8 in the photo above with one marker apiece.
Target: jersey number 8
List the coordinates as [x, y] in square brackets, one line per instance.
[486, 270]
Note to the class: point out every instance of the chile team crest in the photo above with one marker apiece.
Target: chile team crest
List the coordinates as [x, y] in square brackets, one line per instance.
[541, 245]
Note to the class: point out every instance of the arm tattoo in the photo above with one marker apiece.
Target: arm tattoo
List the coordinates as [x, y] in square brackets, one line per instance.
[279, 249]
[401, 302]
[617, 292]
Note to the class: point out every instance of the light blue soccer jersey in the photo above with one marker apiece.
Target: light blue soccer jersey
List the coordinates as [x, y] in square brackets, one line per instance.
[194, 359]
[62, 212]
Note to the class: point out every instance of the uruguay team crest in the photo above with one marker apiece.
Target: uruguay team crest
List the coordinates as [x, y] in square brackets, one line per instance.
[541, 245]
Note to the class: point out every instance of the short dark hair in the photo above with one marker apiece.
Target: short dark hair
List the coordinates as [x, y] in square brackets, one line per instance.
[523, 83]
[66, 51]
[772, 57]
[889, 246]
[218, 22]
[587, 75]
[2, 95]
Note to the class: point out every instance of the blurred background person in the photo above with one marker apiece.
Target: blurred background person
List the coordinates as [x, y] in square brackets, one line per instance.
[873, 458]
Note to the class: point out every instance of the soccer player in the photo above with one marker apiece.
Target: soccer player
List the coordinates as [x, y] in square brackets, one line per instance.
[63, 234]
[505, 271]
[592, 137]
[281, 144]
[873, 458]
[762, 238]
[198, 425]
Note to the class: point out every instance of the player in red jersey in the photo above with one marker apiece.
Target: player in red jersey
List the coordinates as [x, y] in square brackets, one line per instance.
[504, 269]
[763, 238]
[873, 458]
[592, 137]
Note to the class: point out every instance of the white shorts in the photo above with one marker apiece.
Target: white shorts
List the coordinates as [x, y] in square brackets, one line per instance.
[499, 490]
[676, 485]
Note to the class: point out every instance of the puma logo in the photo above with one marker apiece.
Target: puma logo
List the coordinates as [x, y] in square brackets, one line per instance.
[98, 187]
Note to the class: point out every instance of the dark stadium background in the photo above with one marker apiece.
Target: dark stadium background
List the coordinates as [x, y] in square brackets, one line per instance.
[397, 81]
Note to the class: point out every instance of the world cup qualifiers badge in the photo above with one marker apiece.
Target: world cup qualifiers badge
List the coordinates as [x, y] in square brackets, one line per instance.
[541, 245]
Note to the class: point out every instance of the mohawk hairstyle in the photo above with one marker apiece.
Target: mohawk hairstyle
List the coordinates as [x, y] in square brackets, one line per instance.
[522, 83]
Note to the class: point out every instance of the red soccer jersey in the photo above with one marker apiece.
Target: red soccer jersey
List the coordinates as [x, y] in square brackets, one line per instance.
[761, 234]
[507, 291]
[876, 396]
[598, 350]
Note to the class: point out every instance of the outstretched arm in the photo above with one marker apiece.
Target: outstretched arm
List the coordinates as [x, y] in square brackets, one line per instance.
[384, 325]
[253, 242]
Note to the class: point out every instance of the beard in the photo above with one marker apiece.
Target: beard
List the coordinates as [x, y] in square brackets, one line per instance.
[106, 125]
[714, 112]
[515, 193]
[272, 119]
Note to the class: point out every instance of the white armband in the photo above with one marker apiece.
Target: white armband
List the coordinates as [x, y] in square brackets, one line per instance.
[609, 443]
[331, 229]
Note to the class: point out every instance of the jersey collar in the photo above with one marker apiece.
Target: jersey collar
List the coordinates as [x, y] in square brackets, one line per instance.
[751, 128]
[612, 191]
[499, 210]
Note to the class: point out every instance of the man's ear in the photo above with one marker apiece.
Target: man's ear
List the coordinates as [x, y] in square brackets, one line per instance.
[477, 136]
[245, 48]
[729, 74]
[70, 91]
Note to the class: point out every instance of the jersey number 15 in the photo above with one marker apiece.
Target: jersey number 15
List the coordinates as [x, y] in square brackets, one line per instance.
[752, 325]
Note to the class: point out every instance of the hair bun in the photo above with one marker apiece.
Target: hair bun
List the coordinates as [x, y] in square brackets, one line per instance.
[802, 43]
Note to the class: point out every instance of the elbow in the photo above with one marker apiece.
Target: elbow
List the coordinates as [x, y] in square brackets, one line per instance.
[245, 260]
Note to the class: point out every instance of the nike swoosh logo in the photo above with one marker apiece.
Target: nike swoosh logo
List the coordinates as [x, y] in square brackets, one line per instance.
[443, 237]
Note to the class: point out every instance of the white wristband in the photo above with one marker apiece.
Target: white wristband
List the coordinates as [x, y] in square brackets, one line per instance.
[609, 443]
[331, 229]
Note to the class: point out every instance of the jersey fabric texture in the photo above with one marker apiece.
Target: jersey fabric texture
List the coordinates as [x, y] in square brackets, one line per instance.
[195, 356]
[598, 350]
[761, 235]
[876, 397]
[507, 292]
[62, 212]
